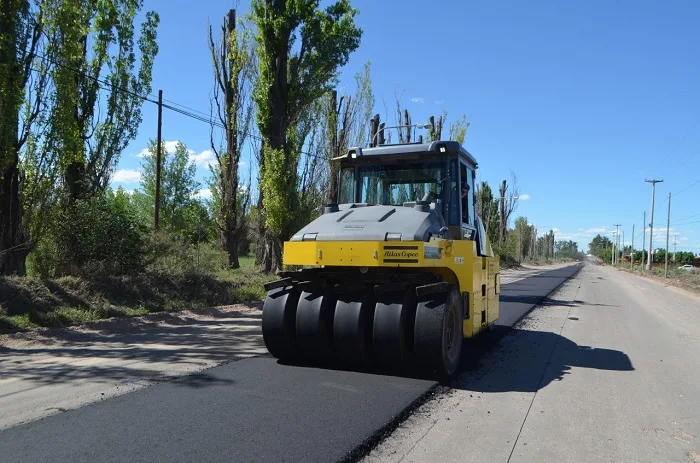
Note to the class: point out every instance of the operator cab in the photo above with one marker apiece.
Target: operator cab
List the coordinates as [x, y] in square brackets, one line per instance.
[440, 174]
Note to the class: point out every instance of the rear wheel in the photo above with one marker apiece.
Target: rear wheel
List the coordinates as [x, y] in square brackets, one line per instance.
[392, 328]
[352, 327]
[314, 321]
[438, 333]
[278, 322]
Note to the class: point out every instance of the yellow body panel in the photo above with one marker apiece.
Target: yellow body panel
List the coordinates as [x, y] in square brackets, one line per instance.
[456, 261]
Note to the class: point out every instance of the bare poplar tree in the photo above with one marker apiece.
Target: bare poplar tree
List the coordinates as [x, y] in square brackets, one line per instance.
[234, 64]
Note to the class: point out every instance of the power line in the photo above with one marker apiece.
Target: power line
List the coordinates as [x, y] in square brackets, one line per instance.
[686, 189]
[685, 218]
[682, 139]
[688, 223]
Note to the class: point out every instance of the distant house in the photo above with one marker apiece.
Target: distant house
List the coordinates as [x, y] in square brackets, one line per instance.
[696, 262]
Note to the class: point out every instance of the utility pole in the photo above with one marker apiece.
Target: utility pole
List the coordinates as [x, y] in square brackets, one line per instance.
[651, 224]
[668, 225]
[617, 242]
[623, 243]
[156, 215]
[632, 250]
[613, 245]
[644, 235]
[675, 242]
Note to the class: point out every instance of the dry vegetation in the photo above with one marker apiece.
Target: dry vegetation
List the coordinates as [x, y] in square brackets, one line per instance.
[688, 280]
[27, 302]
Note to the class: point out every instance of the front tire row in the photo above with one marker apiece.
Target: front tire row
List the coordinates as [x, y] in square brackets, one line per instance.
[394, 331]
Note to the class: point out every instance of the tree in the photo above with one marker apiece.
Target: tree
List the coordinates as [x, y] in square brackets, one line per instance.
[458, 129]
[507, 203]
[178, 187]
[27, 167]
[487, 210]
[523, 232]
[234, 63]
[567, 249]
[288, 84]
[598, 244]
[346, 126]
[93, 128]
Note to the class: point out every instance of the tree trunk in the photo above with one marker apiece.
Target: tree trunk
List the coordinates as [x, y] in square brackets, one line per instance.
[271, 257]
[503, 225]
[231, 245]
[13, 249]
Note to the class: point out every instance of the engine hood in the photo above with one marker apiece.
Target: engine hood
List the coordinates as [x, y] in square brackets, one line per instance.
[362, 222]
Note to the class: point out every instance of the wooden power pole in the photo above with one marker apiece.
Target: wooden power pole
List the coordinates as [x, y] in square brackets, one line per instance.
[159, 155]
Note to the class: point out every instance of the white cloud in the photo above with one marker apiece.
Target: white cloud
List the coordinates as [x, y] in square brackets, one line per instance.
[439, 101]
[205, 158]
[169, 148]
[524, 197]
[418, 99]
[127, 176]
[203, 194]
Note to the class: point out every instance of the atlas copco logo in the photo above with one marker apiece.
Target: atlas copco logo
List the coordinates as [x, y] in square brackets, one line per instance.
[401, 254]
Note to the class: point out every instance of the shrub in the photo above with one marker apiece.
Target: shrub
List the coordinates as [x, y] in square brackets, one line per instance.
[98, 234]
[171, 253]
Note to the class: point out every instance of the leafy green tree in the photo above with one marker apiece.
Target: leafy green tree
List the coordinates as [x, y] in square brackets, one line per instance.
[180, 212]
[567, 249]
[523, 232]
[291, 79]
[458, 129]
[98, 90]
[599, 244]
[487, 210]
[27, 167]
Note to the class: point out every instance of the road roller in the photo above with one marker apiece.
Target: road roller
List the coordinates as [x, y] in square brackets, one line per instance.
[394, 275]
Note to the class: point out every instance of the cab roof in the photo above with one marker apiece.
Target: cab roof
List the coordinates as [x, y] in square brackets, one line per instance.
[436, 148]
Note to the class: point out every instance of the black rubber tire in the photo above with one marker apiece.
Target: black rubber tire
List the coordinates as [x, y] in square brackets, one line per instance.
[314, 324]
[438, 334]
[352, 327]
[278, 323]
[391, 329]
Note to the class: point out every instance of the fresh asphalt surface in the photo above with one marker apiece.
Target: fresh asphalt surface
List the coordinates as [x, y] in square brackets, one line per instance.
[250, 410]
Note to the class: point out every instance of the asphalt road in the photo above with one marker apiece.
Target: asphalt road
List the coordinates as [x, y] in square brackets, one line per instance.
[249, 410]
[605, 370]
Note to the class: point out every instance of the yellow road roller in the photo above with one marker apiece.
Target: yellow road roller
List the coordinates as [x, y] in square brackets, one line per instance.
[396, 274]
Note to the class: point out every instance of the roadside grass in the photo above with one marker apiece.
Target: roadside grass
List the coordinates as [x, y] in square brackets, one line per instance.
[28, 302]
[688, 280]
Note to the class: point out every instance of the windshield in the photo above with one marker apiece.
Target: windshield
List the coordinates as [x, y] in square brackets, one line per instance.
[397, 184]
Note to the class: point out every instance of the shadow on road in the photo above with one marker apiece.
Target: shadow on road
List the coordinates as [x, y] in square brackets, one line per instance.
[545, 301]
[527, 361]
[135, 350]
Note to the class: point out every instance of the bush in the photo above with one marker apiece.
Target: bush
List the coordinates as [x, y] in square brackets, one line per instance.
[171, 253]
[98, 234]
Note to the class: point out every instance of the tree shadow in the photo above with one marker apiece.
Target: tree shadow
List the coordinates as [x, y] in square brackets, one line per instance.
[135, 349]
[526, 361]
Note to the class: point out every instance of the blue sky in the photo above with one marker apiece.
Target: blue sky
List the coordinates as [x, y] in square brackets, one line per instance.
[582, 100]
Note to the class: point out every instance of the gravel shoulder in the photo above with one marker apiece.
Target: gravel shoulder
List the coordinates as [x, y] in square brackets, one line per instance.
[601, 371]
